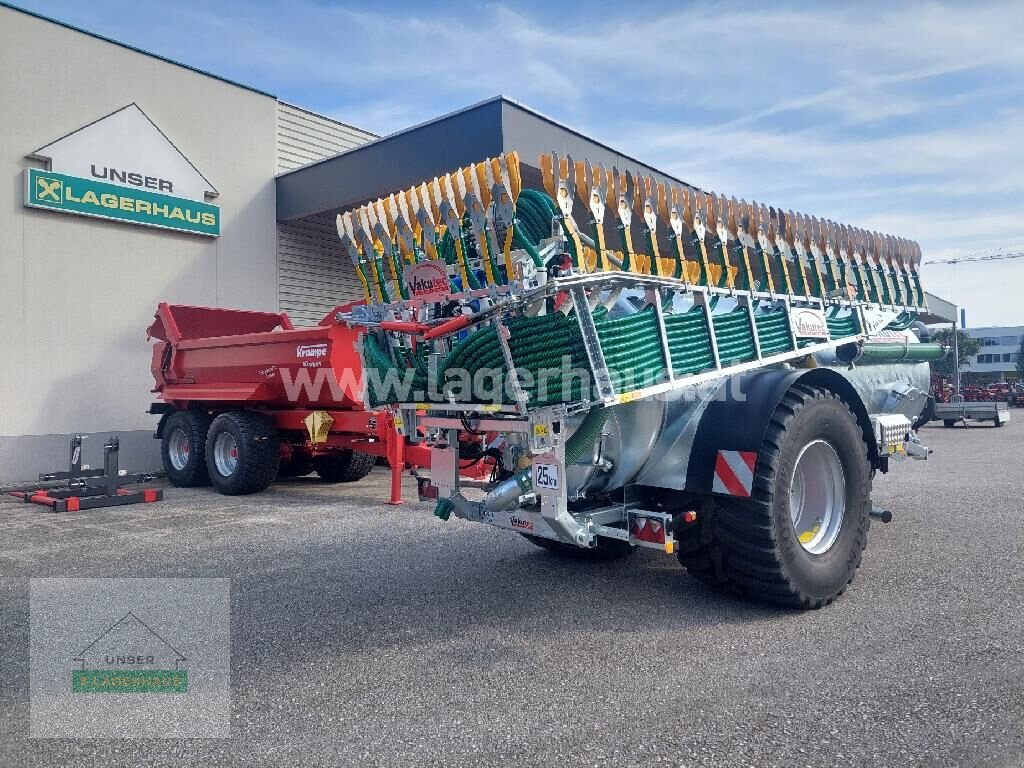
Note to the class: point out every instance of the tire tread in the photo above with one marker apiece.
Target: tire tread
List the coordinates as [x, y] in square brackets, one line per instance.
[259, 455]
[734, 545]
[347, 466]
[196, 424]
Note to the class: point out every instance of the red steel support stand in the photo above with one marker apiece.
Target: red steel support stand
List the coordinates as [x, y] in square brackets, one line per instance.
[396, 458]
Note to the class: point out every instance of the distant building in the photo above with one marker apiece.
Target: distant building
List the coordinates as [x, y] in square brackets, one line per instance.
[997, 358]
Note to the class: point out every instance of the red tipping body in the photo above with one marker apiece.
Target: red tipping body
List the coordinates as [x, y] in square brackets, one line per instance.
[227, 357]
[219, 360]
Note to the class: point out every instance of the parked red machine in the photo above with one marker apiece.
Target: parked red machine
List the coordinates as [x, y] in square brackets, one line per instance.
[246, 397]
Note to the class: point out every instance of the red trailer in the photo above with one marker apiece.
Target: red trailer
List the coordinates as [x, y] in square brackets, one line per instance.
[246, 397]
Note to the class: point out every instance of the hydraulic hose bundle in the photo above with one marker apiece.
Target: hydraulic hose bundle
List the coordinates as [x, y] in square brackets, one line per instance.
[488, 233]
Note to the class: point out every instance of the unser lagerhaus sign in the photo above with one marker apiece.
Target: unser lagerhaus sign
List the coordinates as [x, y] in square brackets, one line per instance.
[122, 167]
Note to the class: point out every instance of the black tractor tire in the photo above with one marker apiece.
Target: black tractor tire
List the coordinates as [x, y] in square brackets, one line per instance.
[751, 547]
[183, 448]
[695, 545]
[346, 466]
[299, 465]
[249, 456]
[947, 423]
[605, 549]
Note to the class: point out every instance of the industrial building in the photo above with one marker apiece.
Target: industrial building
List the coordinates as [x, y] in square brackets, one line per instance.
[167, 183]
[108, 183]
[996, 361]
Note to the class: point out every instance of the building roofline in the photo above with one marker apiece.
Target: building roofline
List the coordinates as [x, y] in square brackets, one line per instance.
[73, 28]
[501, 99]
[325, 117]
[389, 136]
[495, 125]
[558, 124]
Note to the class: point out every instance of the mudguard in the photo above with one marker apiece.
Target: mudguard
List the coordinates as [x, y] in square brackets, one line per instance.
[733, 426]
[165, 412]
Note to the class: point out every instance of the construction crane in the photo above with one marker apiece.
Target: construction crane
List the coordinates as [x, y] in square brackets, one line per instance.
[992, 254]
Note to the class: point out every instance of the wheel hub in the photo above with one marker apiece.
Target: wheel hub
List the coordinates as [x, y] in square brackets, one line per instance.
[817, 497]
[225, 454]
[178, 449]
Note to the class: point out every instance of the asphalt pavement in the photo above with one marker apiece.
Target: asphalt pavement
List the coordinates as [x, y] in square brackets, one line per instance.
[365, 634]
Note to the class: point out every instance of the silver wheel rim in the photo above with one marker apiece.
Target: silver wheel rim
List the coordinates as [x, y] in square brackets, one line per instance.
[225, 454]
[179, 449]
[817, 497]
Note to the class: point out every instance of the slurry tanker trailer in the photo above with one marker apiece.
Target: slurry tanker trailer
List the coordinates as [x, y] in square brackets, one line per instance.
[714, 379]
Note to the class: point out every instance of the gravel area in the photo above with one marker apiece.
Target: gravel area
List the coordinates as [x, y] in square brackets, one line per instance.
[365, 634]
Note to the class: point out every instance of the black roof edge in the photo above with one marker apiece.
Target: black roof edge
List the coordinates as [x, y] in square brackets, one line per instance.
[389, 163]
[394, 135]
[541, 116]
[500, 98]
[304, 191]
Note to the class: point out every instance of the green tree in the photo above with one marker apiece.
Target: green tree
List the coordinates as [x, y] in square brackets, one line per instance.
[1020, 361]
[967, 346]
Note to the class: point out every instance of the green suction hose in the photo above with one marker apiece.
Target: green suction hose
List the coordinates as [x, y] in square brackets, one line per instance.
[631, 344]
[890, 352]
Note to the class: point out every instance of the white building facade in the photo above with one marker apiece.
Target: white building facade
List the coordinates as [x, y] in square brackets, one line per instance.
[1000, 347]
[156, 183]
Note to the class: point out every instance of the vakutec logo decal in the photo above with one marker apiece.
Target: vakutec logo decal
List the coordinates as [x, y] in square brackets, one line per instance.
[807, 323]
[314, 351]
[519, 522]
[426, 279]
[430, 285]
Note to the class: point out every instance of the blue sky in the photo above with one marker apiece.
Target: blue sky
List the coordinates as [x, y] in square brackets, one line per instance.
[901, 117]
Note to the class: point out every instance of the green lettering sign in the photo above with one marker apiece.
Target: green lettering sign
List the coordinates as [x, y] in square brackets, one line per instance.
[87, 197]
[129, 681]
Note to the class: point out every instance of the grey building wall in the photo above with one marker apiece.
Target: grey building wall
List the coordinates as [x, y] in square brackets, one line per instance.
[76, 294]
[313, 274]
[305, 137]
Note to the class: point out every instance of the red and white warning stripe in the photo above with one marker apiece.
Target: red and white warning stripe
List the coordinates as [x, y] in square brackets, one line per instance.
[734, 473]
